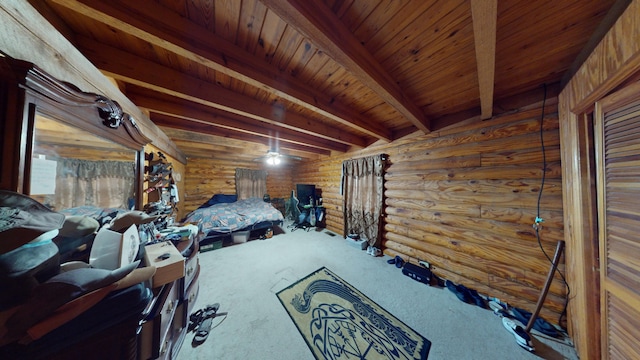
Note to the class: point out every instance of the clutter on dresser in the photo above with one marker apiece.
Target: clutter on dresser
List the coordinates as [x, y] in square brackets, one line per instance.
[135, 288]
[50, 284]
[161, 188]
[39, 294]
[169, 263]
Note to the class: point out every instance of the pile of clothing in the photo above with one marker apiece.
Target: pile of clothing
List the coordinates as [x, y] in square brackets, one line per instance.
[38, 293]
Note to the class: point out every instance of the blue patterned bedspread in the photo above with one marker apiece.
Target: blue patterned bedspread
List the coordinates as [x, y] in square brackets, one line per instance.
[230, 217]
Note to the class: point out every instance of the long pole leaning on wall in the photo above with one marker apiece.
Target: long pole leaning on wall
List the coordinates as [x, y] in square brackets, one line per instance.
[547, 283]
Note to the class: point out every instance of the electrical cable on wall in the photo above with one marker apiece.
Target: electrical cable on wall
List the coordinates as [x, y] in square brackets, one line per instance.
[539, 220]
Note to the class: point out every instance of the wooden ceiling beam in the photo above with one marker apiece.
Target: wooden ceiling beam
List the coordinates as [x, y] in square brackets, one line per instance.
[213, 150]
[163, 104]
[485, 15]
[166, 29]
[317, 22]
[191, 140]
[196, 126]
[195, 129]
[132, 69]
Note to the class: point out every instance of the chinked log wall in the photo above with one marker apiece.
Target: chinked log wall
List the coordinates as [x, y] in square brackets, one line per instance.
[206, 177]
[465, 199]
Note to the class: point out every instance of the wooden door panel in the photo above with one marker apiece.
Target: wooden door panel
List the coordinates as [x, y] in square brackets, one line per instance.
[617, 131]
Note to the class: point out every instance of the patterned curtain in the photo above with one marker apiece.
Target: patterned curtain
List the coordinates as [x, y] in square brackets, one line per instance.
[250, 183]
[363, 195]
[106, 184]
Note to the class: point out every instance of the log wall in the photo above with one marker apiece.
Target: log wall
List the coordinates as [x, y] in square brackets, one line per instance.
[205, 177]
[465, 199]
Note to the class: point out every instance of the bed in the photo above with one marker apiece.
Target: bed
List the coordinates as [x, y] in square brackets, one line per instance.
[223, 216]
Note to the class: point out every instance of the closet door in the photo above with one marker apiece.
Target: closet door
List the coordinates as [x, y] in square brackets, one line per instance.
[618, 166]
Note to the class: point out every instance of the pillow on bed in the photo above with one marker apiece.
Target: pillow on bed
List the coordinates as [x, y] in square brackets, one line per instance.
[220, 199]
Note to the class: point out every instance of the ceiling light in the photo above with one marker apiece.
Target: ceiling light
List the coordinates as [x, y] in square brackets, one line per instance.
[273, 160]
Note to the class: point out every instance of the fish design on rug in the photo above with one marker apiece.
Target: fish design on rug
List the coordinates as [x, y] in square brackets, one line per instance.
[337, 330]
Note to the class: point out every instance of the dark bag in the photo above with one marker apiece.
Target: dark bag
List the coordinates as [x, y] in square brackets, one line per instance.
[27, 254]
[418, 273]
[24, 268]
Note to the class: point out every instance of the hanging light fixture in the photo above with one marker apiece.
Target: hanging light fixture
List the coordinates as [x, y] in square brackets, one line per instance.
[273, 158]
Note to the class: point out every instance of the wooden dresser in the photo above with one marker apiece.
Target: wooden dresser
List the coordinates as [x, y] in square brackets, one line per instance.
[165, 325]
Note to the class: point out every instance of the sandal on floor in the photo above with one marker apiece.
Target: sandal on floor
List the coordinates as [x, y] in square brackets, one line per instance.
[203, 332]
[203, 329]
[196, 319]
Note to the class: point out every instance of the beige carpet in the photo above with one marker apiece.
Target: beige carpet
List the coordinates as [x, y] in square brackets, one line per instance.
[244, 279]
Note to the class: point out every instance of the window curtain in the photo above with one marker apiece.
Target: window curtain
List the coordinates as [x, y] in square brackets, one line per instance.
[250, 183]
[106, 184]
[363, 196]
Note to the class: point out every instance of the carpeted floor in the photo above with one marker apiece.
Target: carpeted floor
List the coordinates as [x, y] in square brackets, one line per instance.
[245, 278]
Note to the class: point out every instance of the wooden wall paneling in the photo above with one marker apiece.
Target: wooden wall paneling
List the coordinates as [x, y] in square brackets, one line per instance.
[227, 17]
[270, 34]
[290, 39]
[206, 177]
[251, 19]
[384, 13]
[464, 199]
[280, 181]
[400, 232]
[615, 59]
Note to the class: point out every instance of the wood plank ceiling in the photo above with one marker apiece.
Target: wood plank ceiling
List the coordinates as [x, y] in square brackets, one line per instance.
[235, 78]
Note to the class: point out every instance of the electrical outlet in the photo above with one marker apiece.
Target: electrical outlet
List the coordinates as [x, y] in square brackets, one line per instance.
[424, 263]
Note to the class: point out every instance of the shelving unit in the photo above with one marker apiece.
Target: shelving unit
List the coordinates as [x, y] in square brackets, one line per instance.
[159, 185]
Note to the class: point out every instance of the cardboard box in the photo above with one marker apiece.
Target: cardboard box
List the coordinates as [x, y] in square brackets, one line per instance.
[112, 250]
[168, 261]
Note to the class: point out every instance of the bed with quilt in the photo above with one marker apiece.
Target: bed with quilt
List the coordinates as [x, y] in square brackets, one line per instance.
[224, 215]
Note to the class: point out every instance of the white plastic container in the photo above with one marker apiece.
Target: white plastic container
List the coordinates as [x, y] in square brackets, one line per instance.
[240, 236]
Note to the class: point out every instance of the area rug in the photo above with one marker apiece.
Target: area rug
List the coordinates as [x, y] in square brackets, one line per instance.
[339, 322]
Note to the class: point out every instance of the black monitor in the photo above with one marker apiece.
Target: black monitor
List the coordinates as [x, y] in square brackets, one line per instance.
[305, 193]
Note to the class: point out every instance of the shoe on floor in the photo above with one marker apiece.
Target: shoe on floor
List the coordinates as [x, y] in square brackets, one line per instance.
[498, 309]
[203, 332]
[203, 329]
[517, 330]
[459, 291]
[539, 324]
[399, 262]
[477, 299]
